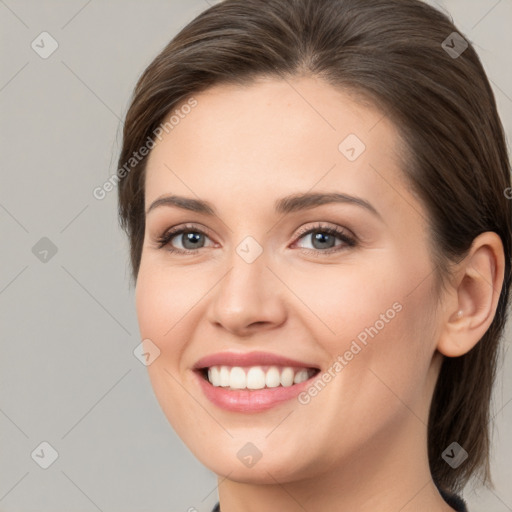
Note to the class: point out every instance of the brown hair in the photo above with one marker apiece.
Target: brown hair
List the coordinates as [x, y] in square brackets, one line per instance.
[392, 52]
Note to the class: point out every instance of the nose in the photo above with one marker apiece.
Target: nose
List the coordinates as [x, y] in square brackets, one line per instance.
[248, 298]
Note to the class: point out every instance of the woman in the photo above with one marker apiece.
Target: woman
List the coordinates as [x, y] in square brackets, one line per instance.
[315, 197]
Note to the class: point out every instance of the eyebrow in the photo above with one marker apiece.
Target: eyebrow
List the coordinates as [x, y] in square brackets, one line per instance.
[288, 204]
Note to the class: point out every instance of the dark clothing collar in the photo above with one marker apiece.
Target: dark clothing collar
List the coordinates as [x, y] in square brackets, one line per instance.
[455, 501]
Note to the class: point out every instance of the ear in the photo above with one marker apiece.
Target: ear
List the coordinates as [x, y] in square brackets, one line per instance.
[476, 290]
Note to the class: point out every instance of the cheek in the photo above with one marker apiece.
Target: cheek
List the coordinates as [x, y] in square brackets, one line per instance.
[151, 305]
[165, 299]
[378, 319]
[159, 309]
[162, 303]
[344, 300]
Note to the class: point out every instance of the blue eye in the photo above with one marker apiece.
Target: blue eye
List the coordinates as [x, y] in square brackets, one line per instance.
[324, 239]
[193, 237]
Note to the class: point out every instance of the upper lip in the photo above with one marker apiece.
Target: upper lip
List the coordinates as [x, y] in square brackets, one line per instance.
[249, 359]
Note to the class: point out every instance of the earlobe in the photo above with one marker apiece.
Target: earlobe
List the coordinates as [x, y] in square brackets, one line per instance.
[478, 287]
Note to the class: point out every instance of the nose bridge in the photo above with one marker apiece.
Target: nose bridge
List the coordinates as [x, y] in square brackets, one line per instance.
[247, 279]
[248, 292]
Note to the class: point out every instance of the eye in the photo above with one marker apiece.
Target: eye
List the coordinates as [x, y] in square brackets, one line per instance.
[190, 237]
[324, 238]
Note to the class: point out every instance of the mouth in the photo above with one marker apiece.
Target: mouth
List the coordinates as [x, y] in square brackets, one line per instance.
[252, 382]
[256, 377]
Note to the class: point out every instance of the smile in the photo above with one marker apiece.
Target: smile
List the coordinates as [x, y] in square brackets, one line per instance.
[257, 377]
[252, 382]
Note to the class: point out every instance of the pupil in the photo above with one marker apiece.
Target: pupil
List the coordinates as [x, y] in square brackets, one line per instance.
[322, 237]
[192, 237]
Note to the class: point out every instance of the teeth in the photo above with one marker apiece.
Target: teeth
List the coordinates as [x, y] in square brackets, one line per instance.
[287, 377]
[273, 377]
[224, 376]
[301, 376]
[256, 377]
[213, 374]
[237, 378]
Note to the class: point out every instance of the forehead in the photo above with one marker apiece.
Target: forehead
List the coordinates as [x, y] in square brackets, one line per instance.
[273, 137]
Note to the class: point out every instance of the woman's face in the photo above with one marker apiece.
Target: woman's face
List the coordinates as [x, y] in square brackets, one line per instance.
[355, 305]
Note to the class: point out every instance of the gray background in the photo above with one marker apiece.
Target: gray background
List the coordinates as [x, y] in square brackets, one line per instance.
[68, 375]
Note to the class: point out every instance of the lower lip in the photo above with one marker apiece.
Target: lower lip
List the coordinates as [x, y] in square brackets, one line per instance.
[250, 400]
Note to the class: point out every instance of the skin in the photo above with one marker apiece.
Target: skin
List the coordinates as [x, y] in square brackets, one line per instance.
[361, 443]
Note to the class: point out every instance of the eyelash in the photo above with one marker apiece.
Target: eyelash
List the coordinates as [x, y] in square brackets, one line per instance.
[340, 233]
